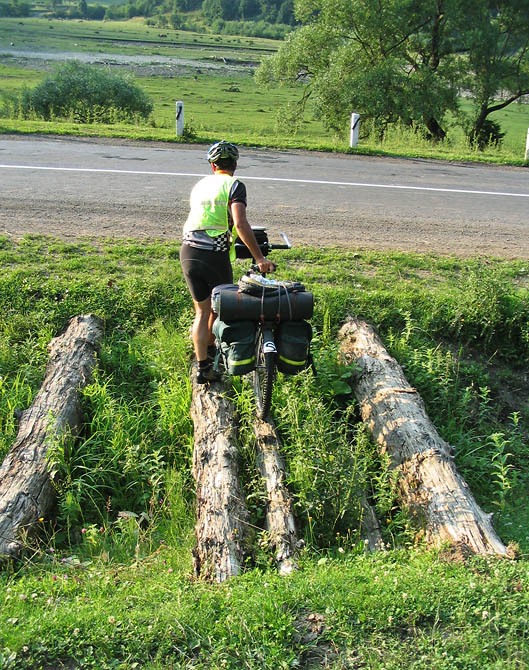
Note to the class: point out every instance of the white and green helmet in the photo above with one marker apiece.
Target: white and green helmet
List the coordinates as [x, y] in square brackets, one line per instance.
[221, 150]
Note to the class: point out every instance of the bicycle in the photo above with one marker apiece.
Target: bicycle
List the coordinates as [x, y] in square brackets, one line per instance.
[266, 353]
[255, 317]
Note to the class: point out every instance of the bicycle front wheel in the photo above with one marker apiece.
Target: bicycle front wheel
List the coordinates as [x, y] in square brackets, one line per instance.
[263, 377]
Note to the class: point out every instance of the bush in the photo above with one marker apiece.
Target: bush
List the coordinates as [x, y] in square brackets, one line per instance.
[86, 93]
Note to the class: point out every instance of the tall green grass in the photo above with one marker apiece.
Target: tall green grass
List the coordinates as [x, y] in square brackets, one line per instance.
[462, 337]
[107, 580]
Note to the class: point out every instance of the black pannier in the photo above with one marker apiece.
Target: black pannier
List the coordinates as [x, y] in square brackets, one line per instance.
[292, 339]
[230, 304]
[237, 344]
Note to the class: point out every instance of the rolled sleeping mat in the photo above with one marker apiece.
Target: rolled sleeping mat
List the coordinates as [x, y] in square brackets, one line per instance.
[232, 305]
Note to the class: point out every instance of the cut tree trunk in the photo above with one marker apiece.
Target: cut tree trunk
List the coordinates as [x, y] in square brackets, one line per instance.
[222, 516]
[431, 489]
[280, 523]
[371, 533]
[26, 490]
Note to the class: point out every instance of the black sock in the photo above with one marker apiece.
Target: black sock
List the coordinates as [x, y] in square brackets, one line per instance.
[203, 365]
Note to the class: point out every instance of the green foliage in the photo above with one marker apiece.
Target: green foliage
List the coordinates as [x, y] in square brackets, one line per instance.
[394, 610]
[490, 312]
[15, 8]
[403, 62]
[488, 134]
[85, 94]
[106, 583]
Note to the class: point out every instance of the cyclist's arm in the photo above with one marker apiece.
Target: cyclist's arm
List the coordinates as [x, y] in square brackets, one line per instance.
[245, 232]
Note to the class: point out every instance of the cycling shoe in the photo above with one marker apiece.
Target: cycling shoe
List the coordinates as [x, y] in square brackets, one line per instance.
[206, 375]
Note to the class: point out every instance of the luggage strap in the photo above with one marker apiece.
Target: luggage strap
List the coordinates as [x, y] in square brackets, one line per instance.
[264, 287]
[278, 313]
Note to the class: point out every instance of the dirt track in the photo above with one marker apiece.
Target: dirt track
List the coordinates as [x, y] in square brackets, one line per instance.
[88, 220]
[72, 205]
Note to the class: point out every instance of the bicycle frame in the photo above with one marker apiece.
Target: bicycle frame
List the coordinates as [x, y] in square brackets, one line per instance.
[265, 348]
[265, 352]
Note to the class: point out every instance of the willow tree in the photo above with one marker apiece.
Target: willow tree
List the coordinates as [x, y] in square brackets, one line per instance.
[402, 61]
[497, 44]
[391, 61]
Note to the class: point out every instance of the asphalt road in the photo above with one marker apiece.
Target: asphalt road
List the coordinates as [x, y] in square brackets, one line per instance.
[82, 187]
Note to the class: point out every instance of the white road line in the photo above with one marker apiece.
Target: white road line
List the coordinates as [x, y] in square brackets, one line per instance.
[281, 179]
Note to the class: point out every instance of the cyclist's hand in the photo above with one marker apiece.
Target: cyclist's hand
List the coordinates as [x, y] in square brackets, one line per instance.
[266, 266]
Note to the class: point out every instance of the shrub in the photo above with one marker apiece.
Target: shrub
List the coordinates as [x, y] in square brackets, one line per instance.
[76, 90]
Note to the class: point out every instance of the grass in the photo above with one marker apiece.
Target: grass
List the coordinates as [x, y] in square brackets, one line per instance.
[124, 37]
[107, 582]
[230, 105]
[393, 611]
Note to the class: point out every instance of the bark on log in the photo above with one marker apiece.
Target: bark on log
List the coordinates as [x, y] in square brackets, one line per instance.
[26, 491]
[431, 488]
[222, 516]
[371, 533]
[280, 522]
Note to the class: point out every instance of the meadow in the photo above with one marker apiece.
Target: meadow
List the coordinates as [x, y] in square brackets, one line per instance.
[99, 589]
[225, 102]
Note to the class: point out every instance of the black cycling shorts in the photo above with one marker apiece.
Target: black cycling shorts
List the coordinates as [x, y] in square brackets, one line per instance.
[203, 270]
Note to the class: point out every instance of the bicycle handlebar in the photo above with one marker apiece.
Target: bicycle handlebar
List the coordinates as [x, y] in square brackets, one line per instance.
[287, 244]
[271, 247]
[279, 246]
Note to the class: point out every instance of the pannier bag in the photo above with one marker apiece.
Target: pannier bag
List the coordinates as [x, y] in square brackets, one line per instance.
[231, 304]
[242, 251]
[237, 345]
[292, 339]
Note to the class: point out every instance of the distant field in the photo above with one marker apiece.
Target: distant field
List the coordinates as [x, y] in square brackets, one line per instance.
[127, 37]
[212, 75]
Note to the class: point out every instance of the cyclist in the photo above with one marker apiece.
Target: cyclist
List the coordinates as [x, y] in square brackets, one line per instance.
[216, 218]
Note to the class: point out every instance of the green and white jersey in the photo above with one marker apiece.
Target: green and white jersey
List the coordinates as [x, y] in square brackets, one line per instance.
[209, 224]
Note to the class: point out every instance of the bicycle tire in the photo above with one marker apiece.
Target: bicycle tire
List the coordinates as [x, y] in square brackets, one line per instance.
[263, 377]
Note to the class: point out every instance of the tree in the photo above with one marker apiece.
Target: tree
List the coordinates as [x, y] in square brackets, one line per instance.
[403, 60]
[497, 42]
[212, 9]
[176, 20]
[358, 55]
[248, 9]
[219, 9]
[82, 7]
[285, 13]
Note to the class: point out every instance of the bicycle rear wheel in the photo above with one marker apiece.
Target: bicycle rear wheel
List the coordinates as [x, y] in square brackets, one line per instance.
[263, 377]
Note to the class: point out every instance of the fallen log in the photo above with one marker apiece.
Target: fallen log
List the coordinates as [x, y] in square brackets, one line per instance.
[26, 490]
[370, 529]
[280, 523]
[436, 496]
[222, 516]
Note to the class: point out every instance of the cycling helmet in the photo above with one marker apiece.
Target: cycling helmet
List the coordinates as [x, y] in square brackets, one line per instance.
[222, 149]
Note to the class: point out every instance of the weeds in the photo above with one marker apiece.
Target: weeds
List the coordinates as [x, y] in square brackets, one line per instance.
[111, 570]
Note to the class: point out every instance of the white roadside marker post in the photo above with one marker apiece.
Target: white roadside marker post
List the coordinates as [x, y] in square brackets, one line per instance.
[355, 128]
[179, 118]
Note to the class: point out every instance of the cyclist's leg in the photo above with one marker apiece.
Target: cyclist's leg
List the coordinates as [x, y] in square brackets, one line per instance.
[203, 270]
[201, 332]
